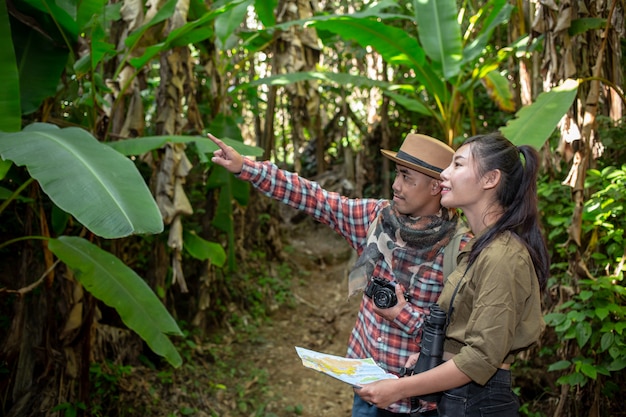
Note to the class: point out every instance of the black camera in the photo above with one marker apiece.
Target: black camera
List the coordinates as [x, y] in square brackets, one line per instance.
[431, 345]
[382, 292]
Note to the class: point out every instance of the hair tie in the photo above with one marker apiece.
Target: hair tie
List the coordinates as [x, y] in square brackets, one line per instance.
[522, 158]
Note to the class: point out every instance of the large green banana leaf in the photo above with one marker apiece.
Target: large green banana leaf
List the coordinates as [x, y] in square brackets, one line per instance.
[203, 249]
[440, 34]
[395, 45]
[40, 62]
[391, 42]
[226, 16]
[227, 23]
[118, 286]
[139, 146]
[100, 187]
[496, 13]
[534, 124]
[265, 11]
[10, 114]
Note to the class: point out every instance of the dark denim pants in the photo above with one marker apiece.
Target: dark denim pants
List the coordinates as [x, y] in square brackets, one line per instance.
[495, 399]
[361, 408]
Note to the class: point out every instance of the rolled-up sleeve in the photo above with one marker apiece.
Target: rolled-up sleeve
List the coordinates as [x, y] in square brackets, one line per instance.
[497, 310]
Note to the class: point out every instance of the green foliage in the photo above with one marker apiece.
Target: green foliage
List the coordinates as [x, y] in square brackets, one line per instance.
[106, 193]
[605, 215]
[446, 65]
[79, 174]
[204, 250]
[596, 319]
[84, 178]
[71, 410]
[10, 92]
[105, 393]
[263, 287]
[534, 124]
[524, 411]
[557, 211]
[593, 317]
[231, 189]
[108, 279]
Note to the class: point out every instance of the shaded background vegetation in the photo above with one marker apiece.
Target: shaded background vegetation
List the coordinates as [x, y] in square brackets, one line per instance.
[320, 99]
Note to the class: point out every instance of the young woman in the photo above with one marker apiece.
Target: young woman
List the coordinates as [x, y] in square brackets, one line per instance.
[493, 297]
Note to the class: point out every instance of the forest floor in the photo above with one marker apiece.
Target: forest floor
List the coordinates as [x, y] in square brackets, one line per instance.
[321, 319]
[252, 369]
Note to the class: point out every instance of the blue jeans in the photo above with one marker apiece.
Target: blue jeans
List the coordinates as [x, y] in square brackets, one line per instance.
[495, 399]
[361, 408]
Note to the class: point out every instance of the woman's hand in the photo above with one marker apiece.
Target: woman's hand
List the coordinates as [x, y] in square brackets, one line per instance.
[380, 393]
[226, 156]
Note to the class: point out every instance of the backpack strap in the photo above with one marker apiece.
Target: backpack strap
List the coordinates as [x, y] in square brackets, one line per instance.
[451, 251]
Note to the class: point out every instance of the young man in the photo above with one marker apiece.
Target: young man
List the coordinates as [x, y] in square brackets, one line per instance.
[399, 241]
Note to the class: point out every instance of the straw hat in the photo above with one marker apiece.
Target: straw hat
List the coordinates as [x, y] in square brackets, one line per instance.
[422, 153]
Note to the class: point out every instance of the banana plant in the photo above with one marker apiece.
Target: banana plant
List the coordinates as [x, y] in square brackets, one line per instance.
[93, 182]
[103, 190]
[446, 62]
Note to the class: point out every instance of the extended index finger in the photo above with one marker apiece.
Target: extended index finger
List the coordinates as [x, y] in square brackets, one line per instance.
[217, 141]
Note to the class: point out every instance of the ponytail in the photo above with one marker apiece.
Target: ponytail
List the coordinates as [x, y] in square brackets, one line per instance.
[516, 193]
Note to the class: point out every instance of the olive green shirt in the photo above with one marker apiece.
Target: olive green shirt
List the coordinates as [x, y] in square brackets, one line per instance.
[497, 308]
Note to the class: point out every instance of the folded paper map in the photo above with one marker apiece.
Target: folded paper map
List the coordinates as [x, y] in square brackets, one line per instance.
[355, 372]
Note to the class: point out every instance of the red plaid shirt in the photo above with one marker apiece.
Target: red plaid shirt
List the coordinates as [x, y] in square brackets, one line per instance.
[389, 343]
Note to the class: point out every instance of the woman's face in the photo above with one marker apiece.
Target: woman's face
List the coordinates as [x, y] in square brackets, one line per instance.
[461, 186]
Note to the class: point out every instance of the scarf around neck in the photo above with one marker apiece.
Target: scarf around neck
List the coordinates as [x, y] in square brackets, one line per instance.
[402, 242]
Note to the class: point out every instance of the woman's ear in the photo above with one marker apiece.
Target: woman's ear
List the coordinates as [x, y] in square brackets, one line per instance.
[491, 179]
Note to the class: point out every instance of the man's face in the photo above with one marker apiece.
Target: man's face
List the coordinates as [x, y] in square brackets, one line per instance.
[415, 194]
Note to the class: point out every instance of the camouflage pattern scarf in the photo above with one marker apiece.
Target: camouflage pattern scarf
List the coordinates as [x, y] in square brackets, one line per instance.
[400, 242]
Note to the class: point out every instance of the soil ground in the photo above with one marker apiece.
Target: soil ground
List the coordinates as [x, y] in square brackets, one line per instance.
[321, 319]
[252, 369]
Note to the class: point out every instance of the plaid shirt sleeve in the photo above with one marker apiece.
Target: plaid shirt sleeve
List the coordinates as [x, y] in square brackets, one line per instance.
[348, 217]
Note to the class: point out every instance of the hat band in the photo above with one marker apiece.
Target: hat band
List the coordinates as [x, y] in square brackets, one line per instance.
[416, 161]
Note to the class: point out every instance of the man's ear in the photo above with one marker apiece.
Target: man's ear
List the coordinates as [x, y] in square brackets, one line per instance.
[491, 179]
[435, 187]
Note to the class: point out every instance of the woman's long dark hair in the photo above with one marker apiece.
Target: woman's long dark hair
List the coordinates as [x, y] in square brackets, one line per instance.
[516, 193]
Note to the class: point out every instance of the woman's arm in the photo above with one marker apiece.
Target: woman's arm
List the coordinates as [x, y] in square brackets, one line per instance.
[441, 378]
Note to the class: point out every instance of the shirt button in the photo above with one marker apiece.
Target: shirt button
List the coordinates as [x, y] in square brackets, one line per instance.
[380, 339]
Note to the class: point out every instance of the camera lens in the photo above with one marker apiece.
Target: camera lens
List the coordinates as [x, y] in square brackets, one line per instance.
[385, 298]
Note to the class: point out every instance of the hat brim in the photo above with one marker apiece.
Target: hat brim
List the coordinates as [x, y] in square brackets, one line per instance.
[419, 168]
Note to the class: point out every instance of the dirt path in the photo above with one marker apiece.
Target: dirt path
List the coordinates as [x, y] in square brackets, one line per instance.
[257, 372]
[321, 320]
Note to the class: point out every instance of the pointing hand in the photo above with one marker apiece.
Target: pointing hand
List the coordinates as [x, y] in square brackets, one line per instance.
[226, 156]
